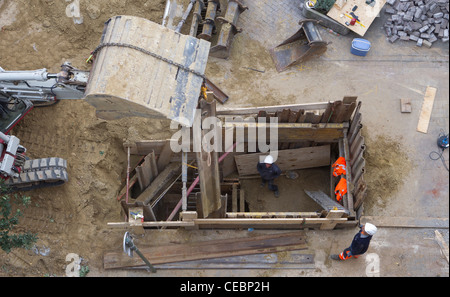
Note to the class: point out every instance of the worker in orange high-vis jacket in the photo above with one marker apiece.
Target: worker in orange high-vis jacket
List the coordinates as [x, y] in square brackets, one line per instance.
[359, 245]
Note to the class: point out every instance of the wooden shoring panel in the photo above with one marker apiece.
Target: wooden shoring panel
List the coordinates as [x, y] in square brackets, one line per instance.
[291, 132]
[267, 109]
[301, 158]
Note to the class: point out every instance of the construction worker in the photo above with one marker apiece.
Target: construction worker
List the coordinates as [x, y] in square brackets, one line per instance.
[359, 245]
[269, 171]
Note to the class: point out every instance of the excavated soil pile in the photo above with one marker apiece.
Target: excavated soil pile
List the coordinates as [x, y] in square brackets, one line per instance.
[71, 218]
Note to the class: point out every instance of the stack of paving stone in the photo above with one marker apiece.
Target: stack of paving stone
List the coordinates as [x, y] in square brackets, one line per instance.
[421, 21]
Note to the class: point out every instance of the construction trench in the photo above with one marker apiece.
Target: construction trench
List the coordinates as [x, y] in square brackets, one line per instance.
[310, 136]
[238, 228]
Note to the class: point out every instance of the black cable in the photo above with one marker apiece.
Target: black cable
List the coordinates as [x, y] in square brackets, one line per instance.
[439, 155]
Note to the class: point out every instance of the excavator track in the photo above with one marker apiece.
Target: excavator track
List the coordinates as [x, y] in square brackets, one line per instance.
[39, 173]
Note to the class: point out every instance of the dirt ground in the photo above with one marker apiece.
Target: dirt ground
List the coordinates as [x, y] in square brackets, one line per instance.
[72, 218]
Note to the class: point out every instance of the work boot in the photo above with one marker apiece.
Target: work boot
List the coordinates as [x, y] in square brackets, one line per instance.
[335, 257]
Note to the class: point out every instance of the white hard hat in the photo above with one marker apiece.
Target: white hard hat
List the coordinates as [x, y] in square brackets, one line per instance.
[268, 159]
[370, 228]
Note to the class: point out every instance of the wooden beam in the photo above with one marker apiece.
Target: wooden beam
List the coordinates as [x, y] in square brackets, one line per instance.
[208, 164]
[272, 221]
[208, 249]
[256, 110]
[330, 221]
[277, 214]
[427, 108]
[153, 224]
[291, 132]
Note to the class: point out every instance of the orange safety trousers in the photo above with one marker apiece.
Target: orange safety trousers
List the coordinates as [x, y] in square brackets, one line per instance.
[345, 255]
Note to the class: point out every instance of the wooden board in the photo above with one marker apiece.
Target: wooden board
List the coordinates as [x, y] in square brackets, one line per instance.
[288, 260]
[365, 13]
[292, 159]
[208, 249]
[427, 107]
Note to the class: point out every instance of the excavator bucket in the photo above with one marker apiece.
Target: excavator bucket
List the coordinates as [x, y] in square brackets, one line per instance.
[303, 45]
[144, 69]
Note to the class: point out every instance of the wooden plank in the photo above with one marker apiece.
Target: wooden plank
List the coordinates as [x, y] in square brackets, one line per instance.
[291, 132]
[269, 222]
[405, 105]
[427, 107]
[330, 223]
[407, 222]
[255, 110]
[208, 249]
[365, 13]
[300, 158]
[292, 260]
[208, 164]
[277, 214]
[444, 247]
